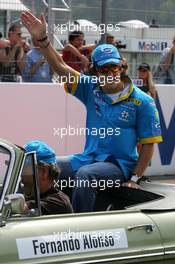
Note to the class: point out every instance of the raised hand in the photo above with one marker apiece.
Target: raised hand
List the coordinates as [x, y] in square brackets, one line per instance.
[36, 27]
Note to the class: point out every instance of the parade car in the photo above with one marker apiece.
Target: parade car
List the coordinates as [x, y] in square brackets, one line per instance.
[127, 226]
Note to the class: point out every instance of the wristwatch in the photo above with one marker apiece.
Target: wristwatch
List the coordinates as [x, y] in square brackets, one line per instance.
[135, 178]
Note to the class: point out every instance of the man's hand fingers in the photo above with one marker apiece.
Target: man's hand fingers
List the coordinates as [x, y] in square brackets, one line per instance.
[42, 18]
[29, 19]
[25, 22]
[29, 15]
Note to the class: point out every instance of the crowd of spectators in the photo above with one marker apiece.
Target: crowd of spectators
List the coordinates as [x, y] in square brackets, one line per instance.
[20, 61]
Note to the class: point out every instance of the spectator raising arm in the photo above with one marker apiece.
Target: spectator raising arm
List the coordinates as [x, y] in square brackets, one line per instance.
[37, 28]
[76, 52]
[89, 47]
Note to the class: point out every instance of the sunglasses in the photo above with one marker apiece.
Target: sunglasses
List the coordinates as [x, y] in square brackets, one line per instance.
[106, 69]
[142, 70]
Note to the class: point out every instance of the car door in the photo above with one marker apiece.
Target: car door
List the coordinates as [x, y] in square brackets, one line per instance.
[105, 237]
[126, 236]
[165, 220]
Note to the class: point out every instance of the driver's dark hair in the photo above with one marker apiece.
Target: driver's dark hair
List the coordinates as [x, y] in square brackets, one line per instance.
[54, 170]
[74, 34]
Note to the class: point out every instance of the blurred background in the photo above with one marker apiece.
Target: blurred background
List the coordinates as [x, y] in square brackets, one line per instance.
[146, 27]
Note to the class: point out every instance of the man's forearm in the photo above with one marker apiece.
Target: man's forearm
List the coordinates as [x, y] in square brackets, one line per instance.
[145, 156]
[73, 50]
[21, 60]
[89, 47]
[78, 54]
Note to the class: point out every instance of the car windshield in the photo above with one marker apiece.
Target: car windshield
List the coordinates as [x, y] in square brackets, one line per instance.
[4, 162]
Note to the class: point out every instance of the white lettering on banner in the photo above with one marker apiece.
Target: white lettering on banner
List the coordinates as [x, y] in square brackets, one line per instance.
[151, 46]
[78, 242]
[148, 45]
[138, 82]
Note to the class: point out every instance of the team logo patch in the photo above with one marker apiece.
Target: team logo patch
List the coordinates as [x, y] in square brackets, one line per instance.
[157, 125]
[152, 104]
[97, 109]
[124, 116]
[107, 50]
[134, 101]
[156, 129]
[98, 97]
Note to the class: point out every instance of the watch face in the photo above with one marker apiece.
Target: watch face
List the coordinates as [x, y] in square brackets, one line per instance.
[135, 178]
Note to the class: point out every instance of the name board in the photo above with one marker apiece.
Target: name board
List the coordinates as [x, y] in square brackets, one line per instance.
[66, 243]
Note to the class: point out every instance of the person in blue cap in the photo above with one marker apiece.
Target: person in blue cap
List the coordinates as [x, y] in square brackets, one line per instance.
[52, 201]
[119, 116]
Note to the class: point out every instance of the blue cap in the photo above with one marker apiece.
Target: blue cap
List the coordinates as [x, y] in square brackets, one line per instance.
[105, 54]
[44, 153]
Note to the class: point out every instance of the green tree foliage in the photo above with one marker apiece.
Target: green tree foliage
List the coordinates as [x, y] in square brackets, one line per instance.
[121, 10]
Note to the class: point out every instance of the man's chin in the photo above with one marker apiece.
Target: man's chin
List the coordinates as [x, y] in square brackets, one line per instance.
[112, 85]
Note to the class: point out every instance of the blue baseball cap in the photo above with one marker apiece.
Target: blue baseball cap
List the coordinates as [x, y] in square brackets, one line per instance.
[44, 153]
[105, 54]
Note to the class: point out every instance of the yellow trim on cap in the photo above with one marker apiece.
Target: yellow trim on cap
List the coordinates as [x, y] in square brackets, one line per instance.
[151, 140]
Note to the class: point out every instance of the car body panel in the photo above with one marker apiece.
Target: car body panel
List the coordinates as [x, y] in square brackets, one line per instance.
[147, 244]
[133, 235]
[166, 228]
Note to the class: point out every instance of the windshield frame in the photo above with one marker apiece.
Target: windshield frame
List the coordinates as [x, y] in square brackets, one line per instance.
[8, 172]
[31, 154]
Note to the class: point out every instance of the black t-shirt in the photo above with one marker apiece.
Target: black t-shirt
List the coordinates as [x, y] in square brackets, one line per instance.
[53, 202]
[9, 73]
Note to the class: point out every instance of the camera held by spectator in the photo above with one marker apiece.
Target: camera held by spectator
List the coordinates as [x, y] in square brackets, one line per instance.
[111, 40]
[119, 45]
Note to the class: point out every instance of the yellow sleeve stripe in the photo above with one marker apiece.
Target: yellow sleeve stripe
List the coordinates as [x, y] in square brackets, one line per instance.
[151, 140]
[73, 85]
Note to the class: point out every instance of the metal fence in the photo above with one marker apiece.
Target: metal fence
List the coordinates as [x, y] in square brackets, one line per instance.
[143, 44]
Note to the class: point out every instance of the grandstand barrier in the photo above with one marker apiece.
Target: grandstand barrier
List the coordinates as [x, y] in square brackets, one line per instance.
[39, 111]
